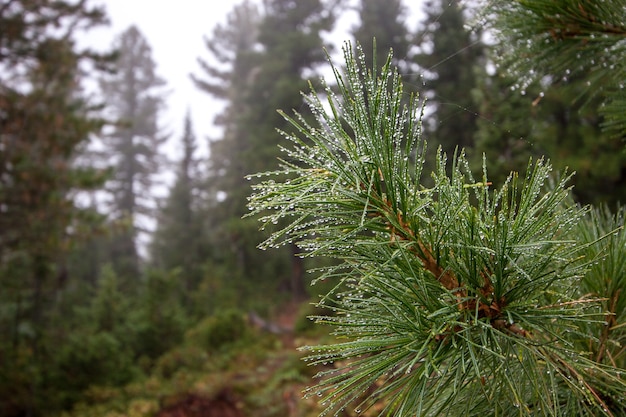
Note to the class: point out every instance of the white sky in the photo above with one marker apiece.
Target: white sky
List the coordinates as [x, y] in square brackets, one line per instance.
[175, 31]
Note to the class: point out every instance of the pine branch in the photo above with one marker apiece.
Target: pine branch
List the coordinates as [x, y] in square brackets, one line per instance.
[559, 40]
[453, 300]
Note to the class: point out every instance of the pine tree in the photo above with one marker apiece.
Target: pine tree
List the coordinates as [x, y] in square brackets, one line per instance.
[266, 72]
[451, 59]
[230, 78]
[44, 122]
[459, 299]
[539, 120]
[575, 53]
[291, 37]
[178, 240]
[135, 97]
[227, 75]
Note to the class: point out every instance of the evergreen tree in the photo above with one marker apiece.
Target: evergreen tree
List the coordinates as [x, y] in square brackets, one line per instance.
[178, 240]
[265, 72]
[290, 35]
[457, 299]
[575, 52]
[135, 97]
[228, 75]
[383, 22]
[451, 59]
[230, 78]
[44, 121]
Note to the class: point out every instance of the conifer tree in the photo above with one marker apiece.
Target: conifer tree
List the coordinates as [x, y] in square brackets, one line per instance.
[228, 75]
[291, 37]
[135, 97]
[451, 59]
[177, 242]
[460, 299]
[384, 23]
[44, 121]
[537, 120]
[266, 73]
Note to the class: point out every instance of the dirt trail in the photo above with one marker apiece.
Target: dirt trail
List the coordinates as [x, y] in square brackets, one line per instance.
[222, 405]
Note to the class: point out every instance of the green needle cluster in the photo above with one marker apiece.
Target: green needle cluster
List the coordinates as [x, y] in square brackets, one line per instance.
[453, 297]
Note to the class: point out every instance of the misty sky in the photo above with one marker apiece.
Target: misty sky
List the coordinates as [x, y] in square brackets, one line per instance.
[175, 31]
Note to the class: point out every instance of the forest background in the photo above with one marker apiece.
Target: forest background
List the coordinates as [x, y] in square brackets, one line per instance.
[96, 323]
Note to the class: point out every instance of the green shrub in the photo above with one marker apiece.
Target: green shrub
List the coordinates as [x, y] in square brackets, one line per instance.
[88, 360]
[181, 357]
[219, 330]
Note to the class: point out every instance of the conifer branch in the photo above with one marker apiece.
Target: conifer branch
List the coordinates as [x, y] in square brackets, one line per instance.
[557, 40]
[455, 299]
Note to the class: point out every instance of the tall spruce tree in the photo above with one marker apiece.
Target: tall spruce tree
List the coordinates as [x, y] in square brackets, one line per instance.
[266, 72]
[44, 121]
[450, 57]
[290, 35]
[227, 75]
[177, 242]
[135, 98]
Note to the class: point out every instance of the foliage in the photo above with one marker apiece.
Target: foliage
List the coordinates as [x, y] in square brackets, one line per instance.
[134, 96]
[263, 375]
[181, 357]
[451, 61]
[603, 236]
[180, 239]
[258, 61]
[219, 330]
[382, 27]
[455, 299]
[565, 39]
[45, 120]
[90, 331]
[568, 56]
[540, 120]
[87, 359]
[158, 319]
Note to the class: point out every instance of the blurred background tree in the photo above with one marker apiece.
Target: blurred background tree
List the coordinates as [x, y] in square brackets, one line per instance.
[565, 40]
[180, 242]
[268, 59]
[568, 91]
[384, 23]
[451, 60]
[44, 121]
[135, 97]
